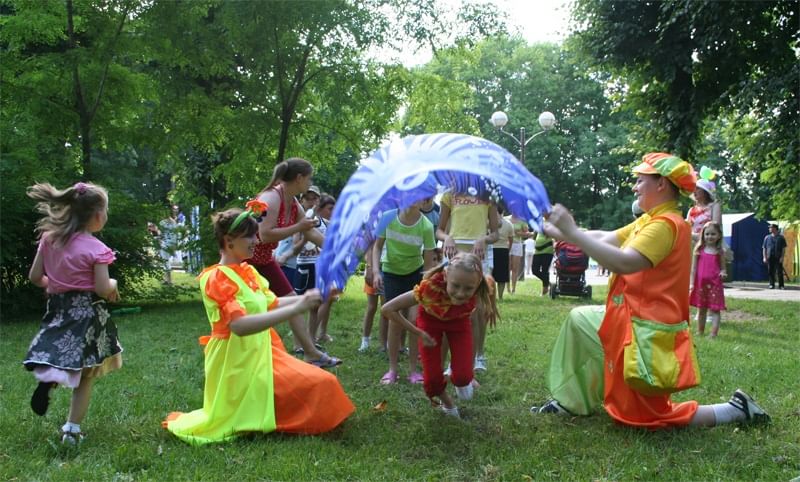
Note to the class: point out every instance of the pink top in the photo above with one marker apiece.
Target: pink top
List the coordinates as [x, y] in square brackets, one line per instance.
[72, 267]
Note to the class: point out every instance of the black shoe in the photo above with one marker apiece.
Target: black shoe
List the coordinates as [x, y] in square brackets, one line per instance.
[41, 398]
[772, 287]
[551, 406]
[746, 404]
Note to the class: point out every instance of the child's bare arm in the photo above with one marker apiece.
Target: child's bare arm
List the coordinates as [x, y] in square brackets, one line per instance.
[104, 286]
[36, 274]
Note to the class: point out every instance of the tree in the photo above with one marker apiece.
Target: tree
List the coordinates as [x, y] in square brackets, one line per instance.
[461, 87]
[686, 62]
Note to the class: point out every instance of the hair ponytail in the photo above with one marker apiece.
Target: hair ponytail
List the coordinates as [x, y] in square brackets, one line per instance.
[66, 211]
[288, 170]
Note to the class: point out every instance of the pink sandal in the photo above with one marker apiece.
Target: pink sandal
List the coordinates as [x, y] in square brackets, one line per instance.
[415, 378]
[389, 378]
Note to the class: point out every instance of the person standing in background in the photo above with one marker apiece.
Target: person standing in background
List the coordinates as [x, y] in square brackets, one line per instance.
[773, 248]
[542, 257]
[500, 268]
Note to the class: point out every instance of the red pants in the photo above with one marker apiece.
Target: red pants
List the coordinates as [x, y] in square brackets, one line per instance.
[459, 335]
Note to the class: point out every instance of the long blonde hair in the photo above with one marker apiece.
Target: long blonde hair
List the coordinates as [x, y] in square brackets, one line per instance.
[471, 264]
[66, 211]
[701, 242]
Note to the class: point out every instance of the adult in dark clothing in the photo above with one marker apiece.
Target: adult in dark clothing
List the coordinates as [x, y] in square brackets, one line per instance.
[773, 248]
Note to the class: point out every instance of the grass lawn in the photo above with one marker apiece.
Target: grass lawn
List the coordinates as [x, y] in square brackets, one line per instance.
[498, 439]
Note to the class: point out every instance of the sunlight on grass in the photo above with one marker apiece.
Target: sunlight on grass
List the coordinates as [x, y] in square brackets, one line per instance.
[497, 440]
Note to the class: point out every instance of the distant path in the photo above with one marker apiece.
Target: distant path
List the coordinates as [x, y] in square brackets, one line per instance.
[753, 290]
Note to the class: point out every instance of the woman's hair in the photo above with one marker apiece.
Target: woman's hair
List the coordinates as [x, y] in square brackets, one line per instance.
[288, 171]
[702, 193]
[701, 242]
[222, 223]
[324, 200]
[471, 264]
[66, 211]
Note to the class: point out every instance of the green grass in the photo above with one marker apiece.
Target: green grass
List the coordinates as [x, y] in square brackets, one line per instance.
[497, 440]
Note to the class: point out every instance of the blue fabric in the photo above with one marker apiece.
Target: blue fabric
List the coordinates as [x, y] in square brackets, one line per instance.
[414, 168]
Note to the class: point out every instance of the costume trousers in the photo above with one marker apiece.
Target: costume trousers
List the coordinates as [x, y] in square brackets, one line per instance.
[459, 335]
[775, 271]
[541, 267]
[576, 365]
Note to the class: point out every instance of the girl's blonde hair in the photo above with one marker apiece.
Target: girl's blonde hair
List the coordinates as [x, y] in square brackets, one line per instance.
[471, 264]
[701, 241]
[66, 211]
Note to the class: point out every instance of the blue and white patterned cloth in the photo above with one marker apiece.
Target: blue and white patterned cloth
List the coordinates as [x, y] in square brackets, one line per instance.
[414, 168]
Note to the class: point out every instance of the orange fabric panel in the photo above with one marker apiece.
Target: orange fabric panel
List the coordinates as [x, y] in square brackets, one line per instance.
[300, 405]
[660, 293]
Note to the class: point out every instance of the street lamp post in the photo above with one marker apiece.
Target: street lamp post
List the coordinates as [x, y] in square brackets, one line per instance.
[546, 121]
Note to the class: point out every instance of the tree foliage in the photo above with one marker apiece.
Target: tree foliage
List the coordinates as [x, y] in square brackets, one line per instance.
[687, 63]
[191, 102]
[462, 85]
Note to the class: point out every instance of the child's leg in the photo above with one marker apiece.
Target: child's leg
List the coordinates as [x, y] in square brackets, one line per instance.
[715, 319]
[461, 357]
[701, 320]
[413, 348]
[323, 315]
[433, 379]
[392, 350]
[383, 329]
[313, 324]
[478, 331]
[501, 287]
[369, 315]
[80, 400]
[303, 338]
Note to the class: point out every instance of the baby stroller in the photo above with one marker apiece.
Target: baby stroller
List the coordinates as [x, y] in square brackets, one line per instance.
[571, 264]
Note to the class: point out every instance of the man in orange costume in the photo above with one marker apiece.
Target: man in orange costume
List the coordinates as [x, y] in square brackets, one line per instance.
[650, 259]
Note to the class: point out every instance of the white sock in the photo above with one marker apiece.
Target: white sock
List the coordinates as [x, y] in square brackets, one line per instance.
[727, 413]
[71, 427]
[465, 392]
[365, 340]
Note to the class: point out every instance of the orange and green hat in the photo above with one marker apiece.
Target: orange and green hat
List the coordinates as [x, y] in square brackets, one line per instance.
[678, 171]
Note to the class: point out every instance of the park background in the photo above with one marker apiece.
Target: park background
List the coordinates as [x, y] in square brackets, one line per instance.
[193, 102]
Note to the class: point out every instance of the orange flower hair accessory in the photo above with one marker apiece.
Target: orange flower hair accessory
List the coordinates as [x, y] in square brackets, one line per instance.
[255, 208]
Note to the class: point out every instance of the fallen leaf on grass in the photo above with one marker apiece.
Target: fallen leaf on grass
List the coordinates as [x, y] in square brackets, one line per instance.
[381, 407]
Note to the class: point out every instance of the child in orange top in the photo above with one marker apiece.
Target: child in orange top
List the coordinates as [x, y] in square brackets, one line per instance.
[447, 296]
[708, 269]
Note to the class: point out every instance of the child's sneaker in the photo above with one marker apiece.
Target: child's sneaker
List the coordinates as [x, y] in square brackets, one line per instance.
[465, 392]
[746, 404]
[450, 412]
[72, 438]
[41, 397]
[480, 364]
[551, 406]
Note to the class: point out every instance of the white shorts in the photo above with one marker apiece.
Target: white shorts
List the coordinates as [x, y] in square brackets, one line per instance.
[516, 249]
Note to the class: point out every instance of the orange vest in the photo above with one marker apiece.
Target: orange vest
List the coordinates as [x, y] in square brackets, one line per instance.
[660, 294]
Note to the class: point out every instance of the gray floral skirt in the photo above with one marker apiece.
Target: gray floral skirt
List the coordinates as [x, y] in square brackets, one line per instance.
[76, 333]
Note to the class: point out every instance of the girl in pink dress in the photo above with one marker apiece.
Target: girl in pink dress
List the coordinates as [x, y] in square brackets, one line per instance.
[708, 270]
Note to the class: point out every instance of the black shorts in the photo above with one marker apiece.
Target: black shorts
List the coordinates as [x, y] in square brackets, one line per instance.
[395, 285]
[305, 278]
